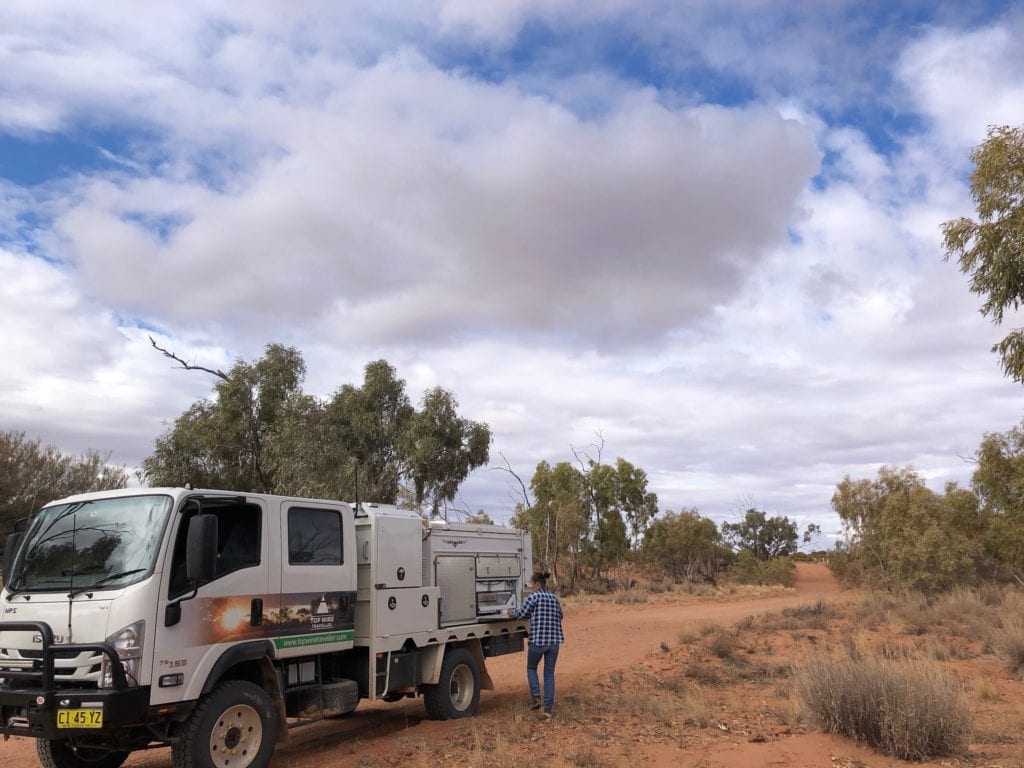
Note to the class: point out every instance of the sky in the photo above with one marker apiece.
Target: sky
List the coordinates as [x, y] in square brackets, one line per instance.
[701, 236]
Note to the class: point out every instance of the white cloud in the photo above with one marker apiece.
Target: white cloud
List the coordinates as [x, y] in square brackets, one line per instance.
[965, 82]
[75, 377]
[570, 248]
[402, 214]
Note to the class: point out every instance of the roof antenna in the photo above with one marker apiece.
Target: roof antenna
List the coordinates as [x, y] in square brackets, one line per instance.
[357, 488]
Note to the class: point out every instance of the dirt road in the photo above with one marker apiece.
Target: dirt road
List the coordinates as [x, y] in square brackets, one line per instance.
[600, 638]
[606, 637]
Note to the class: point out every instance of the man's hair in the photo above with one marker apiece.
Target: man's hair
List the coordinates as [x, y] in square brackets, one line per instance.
[540, 578]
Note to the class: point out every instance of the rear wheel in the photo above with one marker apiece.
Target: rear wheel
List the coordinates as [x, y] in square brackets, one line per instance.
[63, 753]
[234, 727]
[457, 693]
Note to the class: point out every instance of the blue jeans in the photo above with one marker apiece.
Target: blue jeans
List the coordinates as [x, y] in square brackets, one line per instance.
[534, 653]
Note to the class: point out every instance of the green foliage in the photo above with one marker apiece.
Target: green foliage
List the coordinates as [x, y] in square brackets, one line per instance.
[225, 442]
[262, 433]
[998, 482]
[749, 570]
[608, 528]
[559, 519]
[686, 546]
[440, 448]
[579, 516]
[900, 534]
[369, 422]
[764, 537]
[480, 517]
[990, 249]
[629, 495]
[812, 530]
[847, 565]
[32, 474]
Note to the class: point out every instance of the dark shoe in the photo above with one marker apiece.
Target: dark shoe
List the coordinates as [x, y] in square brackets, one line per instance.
[535, 702]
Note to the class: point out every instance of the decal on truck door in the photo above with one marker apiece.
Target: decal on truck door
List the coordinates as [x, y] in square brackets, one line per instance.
[311, 618]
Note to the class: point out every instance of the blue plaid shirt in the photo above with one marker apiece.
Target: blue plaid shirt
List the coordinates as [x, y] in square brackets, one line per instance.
[545, 614]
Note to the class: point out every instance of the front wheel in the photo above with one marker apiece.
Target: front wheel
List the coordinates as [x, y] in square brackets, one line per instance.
[457, 693]
[61, 753]
[234, 727]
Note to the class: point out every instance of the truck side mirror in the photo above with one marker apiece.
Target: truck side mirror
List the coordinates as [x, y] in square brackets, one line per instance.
[11, 547]
[201, 548]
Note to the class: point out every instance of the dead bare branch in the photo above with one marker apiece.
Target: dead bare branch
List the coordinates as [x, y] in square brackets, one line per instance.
[188, 366]
[508, 468]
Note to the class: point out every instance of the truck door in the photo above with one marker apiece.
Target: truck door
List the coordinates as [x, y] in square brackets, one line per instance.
[230, 609]
[318, 578]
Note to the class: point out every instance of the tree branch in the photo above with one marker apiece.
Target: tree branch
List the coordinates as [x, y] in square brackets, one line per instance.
[188, 366]
[508, 468]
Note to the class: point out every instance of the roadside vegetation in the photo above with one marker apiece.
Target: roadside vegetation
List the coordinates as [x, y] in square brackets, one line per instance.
[932, 679]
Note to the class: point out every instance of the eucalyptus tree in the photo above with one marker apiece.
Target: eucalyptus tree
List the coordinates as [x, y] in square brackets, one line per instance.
[558, 519]
[764, 537]
[32, 474]
[370, 421]
[261, 432]
[579, 514]
[685, 545]
[902, 534]
[441, 448]
[991, 249]
[227, 441]
[998, 481]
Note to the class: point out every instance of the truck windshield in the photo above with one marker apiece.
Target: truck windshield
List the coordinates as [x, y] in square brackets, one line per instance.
[101, 544]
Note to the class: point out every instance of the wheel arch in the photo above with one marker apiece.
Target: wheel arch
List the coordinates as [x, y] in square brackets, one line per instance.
[234, 725]
[252, 662]
[432, 660]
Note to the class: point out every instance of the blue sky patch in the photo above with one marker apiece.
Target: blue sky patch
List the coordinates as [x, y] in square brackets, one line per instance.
[41, 159]
[161, 226]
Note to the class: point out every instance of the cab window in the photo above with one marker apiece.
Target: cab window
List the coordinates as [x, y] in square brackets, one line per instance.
[239, 541]
[314, 537]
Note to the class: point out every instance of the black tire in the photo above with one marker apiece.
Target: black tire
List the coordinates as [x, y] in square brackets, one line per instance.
[457, 693]
[235, 726]
[61, 753]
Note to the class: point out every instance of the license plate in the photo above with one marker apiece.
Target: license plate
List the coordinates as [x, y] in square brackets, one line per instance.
[79, 718]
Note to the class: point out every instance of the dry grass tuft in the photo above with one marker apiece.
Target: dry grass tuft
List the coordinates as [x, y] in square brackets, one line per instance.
[629, 596]
[985, 689]
[688, 635]
[1010, 642]
[722, 643]
[703, 674]
[698, 710]
[909, 709]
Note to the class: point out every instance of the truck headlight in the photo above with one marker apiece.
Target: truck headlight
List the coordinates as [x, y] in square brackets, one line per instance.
[128, 642]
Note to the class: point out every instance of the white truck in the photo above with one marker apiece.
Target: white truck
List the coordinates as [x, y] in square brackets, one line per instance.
[215, 621]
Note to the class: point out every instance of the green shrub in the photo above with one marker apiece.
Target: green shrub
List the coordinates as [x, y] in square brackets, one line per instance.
[910, 709]
[847, 568]
[749, 570]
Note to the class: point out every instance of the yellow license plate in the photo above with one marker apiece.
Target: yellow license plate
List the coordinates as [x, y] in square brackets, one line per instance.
[79, 718]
